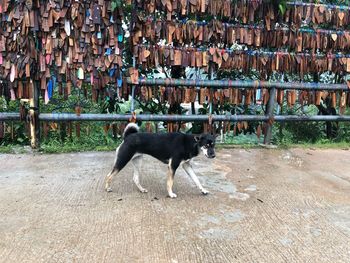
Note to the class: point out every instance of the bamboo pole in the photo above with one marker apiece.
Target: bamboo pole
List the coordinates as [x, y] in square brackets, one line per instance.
[269, 114]
[219, 84]
[34, 115]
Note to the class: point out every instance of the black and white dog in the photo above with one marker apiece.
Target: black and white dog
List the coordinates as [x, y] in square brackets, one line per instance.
[170, 148]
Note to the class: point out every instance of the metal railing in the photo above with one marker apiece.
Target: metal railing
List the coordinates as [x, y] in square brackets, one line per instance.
[269, 117]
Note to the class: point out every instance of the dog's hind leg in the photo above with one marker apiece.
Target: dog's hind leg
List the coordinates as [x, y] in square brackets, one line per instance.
[189, 170]
[173, 165]
[123, 156]
[109, 178]
[136, 162]
[114, 171]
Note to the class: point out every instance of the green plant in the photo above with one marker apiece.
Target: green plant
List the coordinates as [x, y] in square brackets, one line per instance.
[15, 131]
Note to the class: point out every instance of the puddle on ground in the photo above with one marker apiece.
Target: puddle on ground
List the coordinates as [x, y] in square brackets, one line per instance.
[286, 242]
[251, 188]
[208, 219]
[232, 217]
[216, 180]
[340, 218]
[225, 216]
[239, 196]
[292, 159]
[315, 231]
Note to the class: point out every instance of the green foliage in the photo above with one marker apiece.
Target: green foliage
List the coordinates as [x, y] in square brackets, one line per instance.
[85, 143]
[3, 104]
[120, 4]
[92, 137]
[282, 6]
[153, 107]
[343, 132]
[298, 132]
[307, 132]
[6, 149]
[8, 106]
[58, 104]
[15, 131]
[242, 139]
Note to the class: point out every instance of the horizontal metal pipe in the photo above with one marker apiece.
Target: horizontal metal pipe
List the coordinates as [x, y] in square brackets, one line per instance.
[219, 84]
[330, 6]
[151, 48]
[9, 116]
[200, 118]
[146, 117]
[285, 118]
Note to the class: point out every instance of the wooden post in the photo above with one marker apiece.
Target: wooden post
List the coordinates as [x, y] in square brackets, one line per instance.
[34, 115]
[132, 109]
[211, 76]
[211, 97]
[269, 113]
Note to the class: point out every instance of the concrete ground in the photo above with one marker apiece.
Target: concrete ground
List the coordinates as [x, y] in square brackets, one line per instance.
[265, 206]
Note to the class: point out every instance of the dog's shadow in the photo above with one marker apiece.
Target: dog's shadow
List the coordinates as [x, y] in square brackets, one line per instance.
[153, 177]
[212, 174]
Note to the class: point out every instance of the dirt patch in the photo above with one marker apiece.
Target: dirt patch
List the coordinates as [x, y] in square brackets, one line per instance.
[264, 206]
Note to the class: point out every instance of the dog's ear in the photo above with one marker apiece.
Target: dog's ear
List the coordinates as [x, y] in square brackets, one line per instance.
[215, 135]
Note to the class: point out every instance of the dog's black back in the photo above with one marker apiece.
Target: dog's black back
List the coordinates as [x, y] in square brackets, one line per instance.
[166, 147]
[163, 146]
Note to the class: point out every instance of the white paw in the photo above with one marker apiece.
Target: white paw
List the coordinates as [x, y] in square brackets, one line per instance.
[172, 195]
[205, 191]
[109, 189]
[143, 190]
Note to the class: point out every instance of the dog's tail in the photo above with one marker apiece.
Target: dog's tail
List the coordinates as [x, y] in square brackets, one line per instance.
[129, 129]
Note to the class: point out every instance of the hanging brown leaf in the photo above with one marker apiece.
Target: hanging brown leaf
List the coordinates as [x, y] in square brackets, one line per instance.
[258, 131]
[106, 128]
[245, 125]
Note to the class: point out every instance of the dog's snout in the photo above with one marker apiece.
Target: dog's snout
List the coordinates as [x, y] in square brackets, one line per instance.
[211, 153]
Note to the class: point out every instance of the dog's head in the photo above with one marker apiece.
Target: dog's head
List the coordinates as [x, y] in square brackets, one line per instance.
[207, 144]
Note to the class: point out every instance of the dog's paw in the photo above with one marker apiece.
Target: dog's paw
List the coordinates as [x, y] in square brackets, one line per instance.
[109, 189]
[172, 195]
[143, 190]
[205, 191]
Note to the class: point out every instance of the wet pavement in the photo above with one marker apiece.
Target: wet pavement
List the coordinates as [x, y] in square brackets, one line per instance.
[264, 206]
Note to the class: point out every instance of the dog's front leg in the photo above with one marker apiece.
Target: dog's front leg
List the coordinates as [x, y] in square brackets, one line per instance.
[170, 183]
[136, 162]
[171, 173]
[189, 170]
